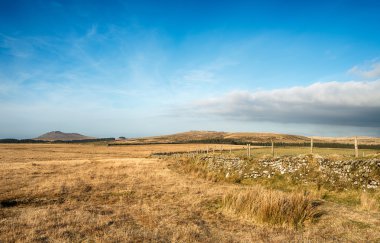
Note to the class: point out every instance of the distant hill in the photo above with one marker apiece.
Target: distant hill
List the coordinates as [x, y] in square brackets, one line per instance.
[58, 135]
[193, 136]
[243, 137]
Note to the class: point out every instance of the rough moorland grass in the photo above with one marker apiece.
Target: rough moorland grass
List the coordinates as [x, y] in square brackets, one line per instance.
[368, 202]
[272, 207]
[86, 193]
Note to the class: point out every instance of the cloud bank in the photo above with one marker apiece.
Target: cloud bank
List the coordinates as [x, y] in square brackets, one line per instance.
[355, 103]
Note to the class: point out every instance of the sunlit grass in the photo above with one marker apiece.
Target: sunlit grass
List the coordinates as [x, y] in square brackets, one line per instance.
[271, 206]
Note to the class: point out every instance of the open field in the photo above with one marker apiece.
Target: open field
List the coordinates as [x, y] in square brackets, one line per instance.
[59, 192]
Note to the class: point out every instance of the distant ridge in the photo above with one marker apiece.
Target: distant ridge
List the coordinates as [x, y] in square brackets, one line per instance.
[61, 136]
[216, 137]
[244, 138]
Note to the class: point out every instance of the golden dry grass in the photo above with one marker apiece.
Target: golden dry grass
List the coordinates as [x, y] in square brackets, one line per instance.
[368, 203]
[71, 193]
[272, 207]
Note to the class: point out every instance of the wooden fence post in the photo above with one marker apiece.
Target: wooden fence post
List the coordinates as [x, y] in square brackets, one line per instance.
[356, 147]
[249, 150]
[272, 147]
[311, 145]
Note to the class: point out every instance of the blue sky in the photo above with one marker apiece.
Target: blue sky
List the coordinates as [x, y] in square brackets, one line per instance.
[139, 68]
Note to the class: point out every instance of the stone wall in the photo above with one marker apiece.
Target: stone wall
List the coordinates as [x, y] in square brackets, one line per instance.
[364, 173]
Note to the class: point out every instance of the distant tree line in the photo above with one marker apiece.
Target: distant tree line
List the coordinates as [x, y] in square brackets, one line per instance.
[13, 140]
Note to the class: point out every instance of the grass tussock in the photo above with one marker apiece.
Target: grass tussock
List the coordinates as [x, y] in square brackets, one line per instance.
[368, 203]
[272, 207]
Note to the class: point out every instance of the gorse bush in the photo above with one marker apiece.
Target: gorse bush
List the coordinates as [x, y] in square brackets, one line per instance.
[272, 207]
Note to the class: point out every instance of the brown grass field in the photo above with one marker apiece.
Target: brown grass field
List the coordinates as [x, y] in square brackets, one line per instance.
[248, 137]
[95, 193]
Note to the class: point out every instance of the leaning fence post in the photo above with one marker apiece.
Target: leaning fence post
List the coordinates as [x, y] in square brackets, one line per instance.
[356, 147]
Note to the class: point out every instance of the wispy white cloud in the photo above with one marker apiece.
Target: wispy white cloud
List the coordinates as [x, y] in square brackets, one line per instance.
[371, 71]
[5, 88]
[92, 31]
[199, 76]
[16, 47]
[207, 73]
[337, 103]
